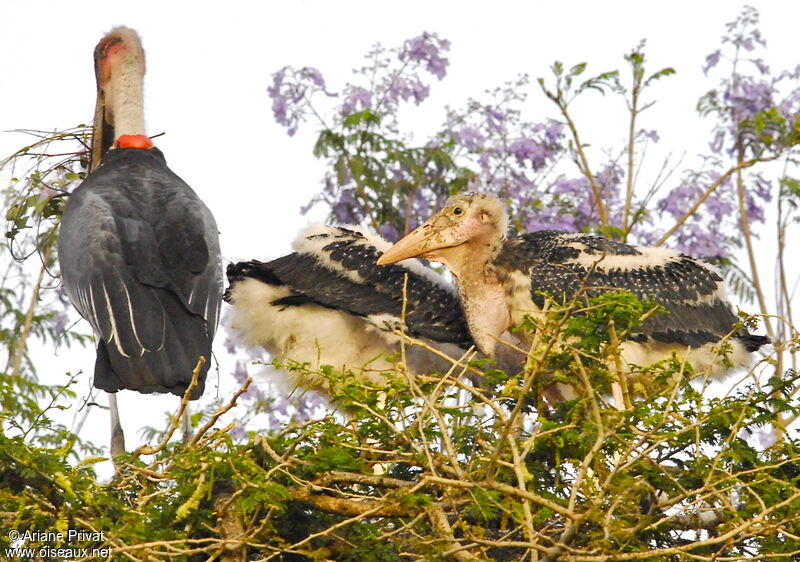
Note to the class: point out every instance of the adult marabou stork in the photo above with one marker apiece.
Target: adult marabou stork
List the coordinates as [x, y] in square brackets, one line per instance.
[139, 251]
[501, 280]
[328, 303]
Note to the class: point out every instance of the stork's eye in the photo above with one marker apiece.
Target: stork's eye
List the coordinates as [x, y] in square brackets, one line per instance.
[106, 46]
[457, 210]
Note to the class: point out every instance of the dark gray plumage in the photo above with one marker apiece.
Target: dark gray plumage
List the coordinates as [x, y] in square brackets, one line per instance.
[140, 260]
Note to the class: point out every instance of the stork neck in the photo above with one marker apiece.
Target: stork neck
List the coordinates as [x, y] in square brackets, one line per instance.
[484, 300]
[126, 103]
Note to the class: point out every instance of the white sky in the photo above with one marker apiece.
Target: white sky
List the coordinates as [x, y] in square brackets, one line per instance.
[208, 70]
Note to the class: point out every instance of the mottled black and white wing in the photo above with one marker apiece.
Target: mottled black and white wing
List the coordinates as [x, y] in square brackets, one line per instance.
[432, 309]
[328, 303]
[562, 265]
[334, 267]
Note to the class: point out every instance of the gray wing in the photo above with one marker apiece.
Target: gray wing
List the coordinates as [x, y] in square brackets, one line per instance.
[140, 261]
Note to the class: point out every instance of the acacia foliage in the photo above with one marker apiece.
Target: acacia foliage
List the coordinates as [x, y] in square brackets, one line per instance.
[436, 467]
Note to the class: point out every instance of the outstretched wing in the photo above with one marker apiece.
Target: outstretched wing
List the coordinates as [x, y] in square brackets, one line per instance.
[562, 265]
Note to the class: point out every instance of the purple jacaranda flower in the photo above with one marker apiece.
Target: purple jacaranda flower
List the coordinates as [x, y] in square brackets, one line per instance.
[763, 188]
[758, 192]
[284, 99]
[763, 68]
[240, 372]
[788, 107]
[61, 321]
[748, 97]
[230, 345]
[579, 186]
[357, 99]
[469, 137]
[680, 199]
[718, 207]
[516, 186]
[346, 209]
[280, 406]
[646, 237]
[754, 209]
[711, 61]
[279, 109]
[421, 207]
[277, 82]
[766, 437]
[484, 160]
[407, 88]
[278, 99]
[608, 180]
[420, 91]
[553, 131]
[716, 144]
[496, 120]
[550, 217]
[528, 149]
[314, 75]
[704, 241]
[240, 375]
[651, 134]
[427, 48]
[308, 403]
[389, 232]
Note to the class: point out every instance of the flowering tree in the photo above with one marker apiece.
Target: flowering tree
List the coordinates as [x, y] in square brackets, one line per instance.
[550, 179]
[438, 468]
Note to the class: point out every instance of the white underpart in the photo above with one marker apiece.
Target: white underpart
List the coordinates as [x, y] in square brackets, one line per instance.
[321, 336]
[707, 360]
[310, 241]
[387, 322]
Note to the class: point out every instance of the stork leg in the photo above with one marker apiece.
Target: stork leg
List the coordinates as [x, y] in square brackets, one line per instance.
[186, 425]
[117, 436]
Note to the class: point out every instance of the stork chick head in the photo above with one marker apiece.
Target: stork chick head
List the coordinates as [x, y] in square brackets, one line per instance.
[467, 233]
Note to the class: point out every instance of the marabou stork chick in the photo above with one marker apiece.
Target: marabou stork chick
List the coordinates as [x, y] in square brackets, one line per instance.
[139, 251]
[328, 303]
[501, 280]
